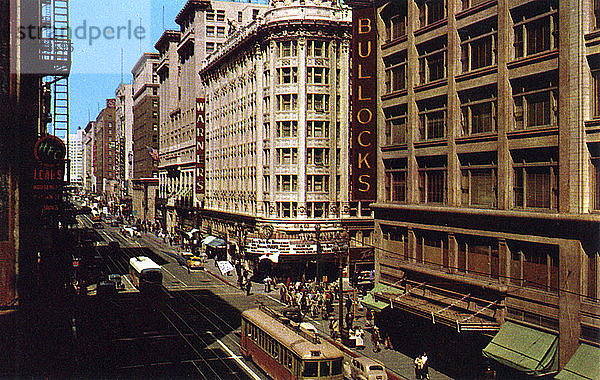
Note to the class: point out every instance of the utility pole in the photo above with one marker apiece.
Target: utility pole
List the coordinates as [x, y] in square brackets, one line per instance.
[343, 250]
[318, 238]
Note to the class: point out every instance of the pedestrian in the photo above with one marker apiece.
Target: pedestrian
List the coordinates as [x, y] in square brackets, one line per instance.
[360, 341]
[375, 339]
[248, 287]
[349, 320]
[418, 368]
[348, 305]
[425, 359]
[387, 341]
[369, 317]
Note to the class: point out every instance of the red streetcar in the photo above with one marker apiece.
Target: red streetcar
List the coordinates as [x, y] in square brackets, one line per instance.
[286, 352]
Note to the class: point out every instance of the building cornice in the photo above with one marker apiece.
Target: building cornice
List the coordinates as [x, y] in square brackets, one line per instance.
[189, 7]
[167, 36]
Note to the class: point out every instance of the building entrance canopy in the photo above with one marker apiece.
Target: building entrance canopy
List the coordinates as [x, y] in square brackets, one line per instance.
[584, 364]
[370, 302]
[525, 349]
[461, 311]
[213, 241]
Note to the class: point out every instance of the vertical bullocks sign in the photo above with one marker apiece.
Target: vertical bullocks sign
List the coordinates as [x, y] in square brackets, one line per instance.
[364, 104]
[200, 146]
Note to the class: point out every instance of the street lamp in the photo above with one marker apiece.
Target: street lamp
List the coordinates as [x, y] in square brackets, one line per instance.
[318, 238]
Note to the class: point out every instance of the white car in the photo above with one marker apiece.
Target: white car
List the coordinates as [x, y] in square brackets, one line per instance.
[131, 232]
[364, 368]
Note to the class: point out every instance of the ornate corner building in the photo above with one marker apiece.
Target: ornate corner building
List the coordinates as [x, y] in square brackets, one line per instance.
[277, 138]
[487, 217]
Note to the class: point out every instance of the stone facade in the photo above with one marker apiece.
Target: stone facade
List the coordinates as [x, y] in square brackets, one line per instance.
[105, 142]
[145, 136]
[204, 26]
[487, 155]
[124, 130]
[277, 132]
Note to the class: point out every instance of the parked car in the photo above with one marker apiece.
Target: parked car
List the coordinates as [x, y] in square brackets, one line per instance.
[130, 232]
[364, 368]
[97, 225]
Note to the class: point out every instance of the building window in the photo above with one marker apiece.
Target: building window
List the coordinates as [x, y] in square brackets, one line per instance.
[478, 185]
[395, 130]
[432, 124]
[220, 31]
[287, 75]
[534, 265]
[240, 16]
[432, 179]
[220, 15]
[478, 256]
[210, 15]
[266, 157]
[317, 209]
[535, 107]
[431, 11]
[317, 183]
[317, 102]
[466, 4]
[210, 47]
[317, 75]
[395, 27]
[596, 91]
[287, 183]
[210, 31]
[395, 181]
[317, 156]
[432, 61]
[287, 102]
[287, 156]
[287, 129]
[266, 183]
[595, 184]
[395, 72]
[255, 14]
[287, 49]
[535, 34]
[535, 185]
[478, 46]
[317, 128]
[478, 111]
[287, 209]
[317, 48]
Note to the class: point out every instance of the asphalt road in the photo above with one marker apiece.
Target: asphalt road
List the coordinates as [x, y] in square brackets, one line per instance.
[191, 329]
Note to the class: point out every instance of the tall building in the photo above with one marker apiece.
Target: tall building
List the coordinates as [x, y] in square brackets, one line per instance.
[76, 156]
[89, 158]
[204, 26]
[105, 147]
[276, 139]
[145, 137]
[124, 131]
[486, 217]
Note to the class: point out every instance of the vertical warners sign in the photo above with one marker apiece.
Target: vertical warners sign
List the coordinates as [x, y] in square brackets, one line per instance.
[364, 104]
[200, 147]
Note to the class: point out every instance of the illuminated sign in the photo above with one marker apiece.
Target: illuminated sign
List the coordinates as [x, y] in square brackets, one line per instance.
[200, 145]
[50, 150]
[364, 104]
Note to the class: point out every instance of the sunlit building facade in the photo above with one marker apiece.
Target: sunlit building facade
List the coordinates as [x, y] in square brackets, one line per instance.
[487, 213]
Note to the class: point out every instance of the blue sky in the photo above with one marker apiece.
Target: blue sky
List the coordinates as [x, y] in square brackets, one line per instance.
[96, 68]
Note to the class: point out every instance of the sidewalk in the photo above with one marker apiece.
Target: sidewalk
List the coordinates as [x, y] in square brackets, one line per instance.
[399, 366]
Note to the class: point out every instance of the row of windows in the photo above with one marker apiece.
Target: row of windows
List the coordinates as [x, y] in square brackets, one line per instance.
[531, 265]
[532, 108]
[289, 75]
[314, 128]
[478, 49]
[314, 48]
[534, 185]
[289, 183]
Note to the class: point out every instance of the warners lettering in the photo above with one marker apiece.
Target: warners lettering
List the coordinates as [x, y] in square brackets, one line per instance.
[364, 100]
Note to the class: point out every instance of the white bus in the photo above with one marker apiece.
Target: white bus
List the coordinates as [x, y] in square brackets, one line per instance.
[145, 273]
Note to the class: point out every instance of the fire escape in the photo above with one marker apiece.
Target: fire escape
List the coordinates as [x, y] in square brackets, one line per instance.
[55, 55]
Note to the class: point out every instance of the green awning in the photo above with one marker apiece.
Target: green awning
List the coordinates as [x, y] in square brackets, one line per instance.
[525, 349]
[584, 364]
[370, 302]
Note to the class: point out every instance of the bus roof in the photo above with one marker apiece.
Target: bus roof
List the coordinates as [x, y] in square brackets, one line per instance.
[301, 346]
[141, 263]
